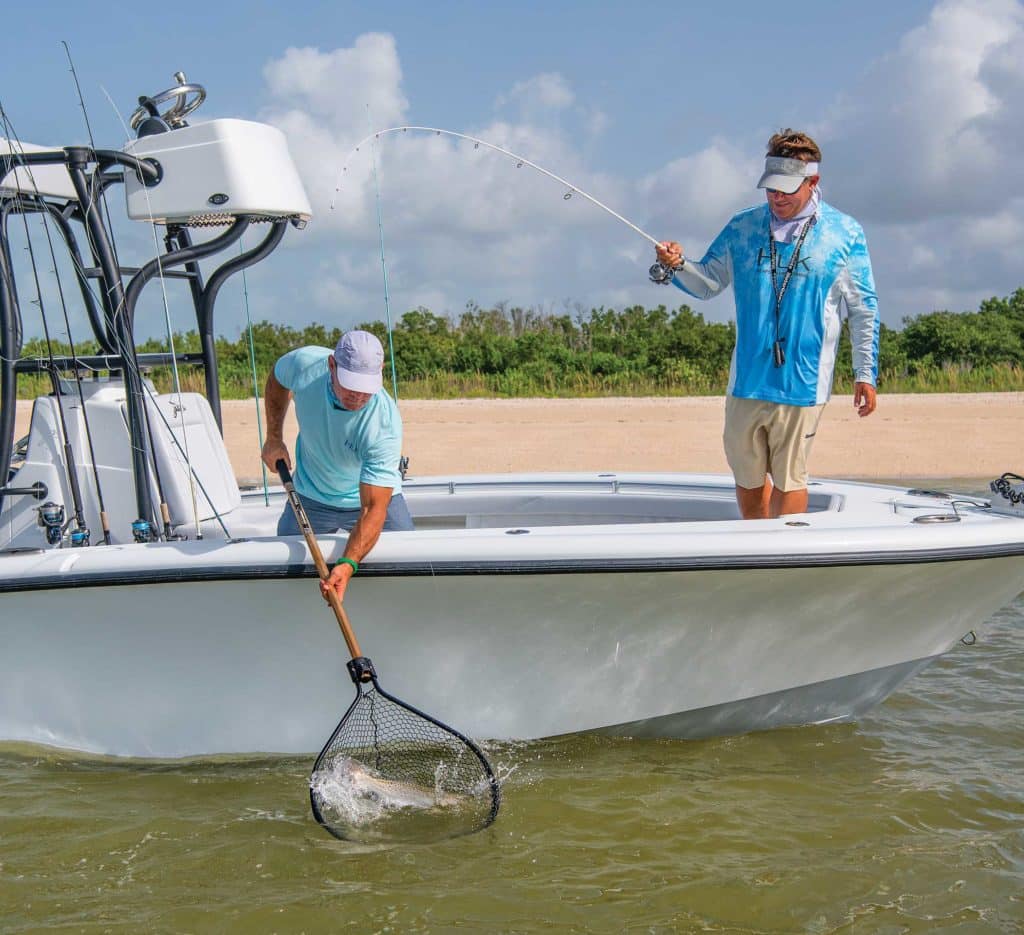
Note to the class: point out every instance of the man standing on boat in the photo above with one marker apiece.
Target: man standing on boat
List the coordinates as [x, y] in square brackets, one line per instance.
[349, 445]
[792, 263]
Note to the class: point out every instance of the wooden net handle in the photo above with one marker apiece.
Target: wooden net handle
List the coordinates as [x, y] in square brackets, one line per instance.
[318, 559]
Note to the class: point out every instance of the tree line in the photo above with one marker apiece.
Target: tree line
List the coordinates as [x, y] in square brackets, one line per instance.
[513, 351]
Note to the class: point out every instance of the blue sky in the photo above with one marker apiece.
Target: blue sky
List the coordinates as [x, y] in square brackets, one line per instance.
[918, 107]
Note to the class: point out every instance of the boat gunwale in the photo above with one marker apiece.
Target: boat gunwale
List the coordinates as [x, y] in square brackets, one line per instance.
[504, 567]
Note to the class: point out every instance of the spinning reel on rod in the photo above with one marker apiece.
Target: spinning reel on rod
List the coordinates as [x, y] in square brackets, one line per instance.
[662, 273]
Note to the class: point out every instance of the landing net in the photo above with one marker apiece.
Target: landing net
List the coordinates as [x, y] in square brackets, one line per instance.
[391, 772]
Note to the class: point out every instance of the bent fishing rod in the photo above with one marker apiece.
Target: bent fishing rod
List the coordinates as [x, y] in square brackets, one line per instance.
[659, 272]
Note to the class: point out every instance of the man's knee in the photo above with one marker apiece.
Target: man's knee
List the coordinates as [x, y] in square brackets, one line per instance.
[753, 501]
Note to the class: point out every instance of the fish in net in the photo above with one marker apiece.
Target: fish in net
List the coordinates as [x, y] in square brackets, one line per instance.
[391, 772]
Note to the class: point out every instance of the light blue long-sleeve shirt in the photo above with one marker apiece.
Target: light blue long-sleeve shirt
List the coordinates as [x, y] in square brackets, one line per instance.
[834, 268]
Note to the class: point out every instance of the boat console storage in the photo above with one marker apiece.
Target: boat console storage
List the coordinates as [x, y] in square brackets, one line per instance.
[215, 172]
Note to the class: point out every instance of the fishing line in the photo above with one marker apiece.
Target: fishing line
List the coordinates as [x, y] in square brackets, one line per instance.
[78, 89]
[383, 264]
[255, 379]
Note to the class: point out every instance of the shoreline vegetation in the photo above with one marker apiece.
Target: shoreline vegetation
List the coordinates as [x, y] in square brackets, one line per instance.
[512, 352]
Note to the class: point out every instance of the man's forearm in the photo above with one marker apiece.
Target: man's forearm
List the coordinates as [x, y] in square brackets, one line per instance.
[702, 280]
[367, 529]
[275, 406]
[364, 534]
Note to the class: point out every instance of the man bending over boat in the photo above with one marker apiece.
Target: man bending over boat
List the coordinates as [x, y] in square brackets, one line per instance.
[348, 448]
[792, 263]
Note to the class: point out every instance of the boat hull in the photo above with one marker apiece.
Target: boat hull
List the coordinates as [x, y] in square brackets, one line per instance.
[256, 664]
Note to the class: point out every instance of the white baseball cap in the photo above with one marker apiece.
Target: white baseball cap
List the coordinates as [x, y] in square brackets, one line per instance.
[360, 361]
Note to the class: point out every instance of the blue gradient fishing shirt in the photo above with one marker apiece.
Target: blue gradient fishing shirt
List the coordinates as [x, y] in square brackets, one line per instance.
[833, 269]
[337, 449]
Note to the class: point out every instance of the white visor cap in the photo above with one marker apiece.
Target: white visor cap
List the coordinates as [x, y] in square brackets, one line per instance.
[784, 174]
[360, 360]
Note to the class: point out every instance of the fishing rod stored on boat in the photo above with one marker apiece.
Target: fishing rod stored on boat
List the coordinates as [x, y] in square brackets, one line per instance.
[50, 519]
[383, 747]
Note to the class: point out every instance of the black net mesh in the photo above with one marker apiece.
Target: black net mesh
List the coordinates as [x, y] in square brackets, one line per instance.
[390, 772]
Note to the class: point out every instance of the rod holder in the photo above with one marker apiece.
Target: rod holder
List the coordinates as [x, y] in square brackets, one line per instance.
[38, 490]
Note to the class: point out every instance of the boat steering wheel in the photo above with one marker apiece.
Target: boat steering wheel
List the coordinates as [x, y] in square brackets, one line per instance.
[175, 115]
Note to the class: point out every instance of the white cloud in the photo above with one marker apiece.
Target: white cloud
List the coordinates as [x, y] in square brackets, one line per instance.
[341, 86]
[925, 151]
[692, 197]
[325, 103]
[548, 91]
[930, 129]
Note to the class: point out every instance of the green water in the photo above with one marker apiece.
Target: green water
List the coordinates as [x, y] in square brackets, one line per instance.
[911, 820]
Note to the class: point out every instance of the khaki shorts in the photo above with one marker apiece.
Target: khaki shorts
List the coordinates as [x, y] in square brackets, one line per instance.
[764, 438]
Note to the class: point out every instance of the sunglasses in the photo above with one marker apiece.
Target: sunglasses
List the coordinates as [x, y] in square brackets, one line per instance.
[779, 191]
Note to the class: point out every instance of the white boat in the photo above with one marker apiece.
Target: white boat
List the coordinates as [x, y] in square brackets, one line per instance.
[522, 606]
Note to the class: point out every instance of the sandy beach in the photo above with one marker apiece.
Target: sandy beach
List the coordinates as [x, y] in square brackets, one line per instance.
[976, 435]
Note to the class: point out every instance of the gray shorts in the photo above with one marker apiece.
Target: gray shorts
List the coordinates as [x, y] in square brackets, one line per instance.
[327, 519]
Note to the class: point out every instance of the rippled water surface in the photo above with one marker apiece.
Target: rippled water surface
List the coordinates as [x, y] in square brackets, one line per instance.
[910, 820]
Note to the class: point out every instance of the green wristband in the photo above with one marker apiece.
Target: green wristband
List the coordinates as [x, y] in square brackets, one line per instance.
[348, 561]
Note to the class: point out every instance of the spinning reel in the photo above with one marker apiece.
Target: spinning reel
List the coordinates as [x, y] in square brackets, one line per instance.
[662, 273]
[51, 518]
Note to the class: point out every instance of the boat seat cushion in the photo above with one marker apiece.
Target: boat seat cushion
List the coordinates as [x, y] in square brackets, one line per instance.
[189, 418]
